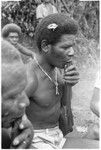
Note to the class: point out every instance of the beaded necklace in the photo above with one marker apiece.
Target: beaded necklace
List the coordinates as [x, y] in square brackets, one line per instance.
[55, 82]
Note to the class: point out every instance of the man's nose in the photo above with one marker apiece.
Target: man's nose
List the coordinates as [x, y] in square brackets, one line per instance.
[71, 51]
[14, 39]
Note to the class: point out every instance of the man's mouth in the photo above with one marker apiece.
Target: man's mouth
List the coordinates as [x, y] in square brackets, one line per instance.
[69, 60]
[9, 122]
[68, 63]
[16, 120]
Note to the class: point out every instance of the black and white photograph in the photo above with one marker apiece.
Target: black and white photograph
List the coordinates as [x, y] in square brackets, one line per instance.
[50, 74]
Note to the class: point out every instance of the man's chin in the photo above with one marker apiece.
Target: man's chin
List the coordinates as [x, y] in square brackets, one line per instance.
[61, 66]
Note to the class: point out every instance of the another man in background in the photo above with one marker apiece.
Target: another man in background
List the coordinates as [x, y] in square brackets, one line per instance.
[12, 33]
[45, 9]
[16, 128]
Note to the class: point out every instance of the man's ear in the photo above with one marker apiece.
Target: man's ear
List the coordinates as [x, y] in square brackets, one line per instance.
[45, 47]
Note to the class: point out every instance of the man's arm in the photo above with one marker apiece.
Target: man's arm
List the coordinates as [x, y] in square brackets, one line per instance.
[70, 77]
[95, 101]
[31, 79]
[24, 50]
[67, 95]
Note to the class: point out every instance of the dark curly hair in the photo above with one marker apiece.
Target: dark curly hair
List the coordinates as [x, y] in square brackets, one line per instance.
[11, 27]
[63, 25]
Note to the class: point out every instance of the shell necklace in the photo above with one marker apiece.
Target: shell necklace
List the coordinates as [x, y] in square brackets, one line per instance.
[55, 82]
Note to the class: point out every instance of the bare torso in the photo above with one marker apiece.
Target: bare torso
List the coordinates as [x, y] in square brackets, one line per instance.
[44, 109]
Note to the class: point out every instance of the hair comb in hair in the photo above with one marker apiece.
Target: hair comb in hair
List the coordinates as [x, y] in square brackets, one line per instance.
[52, 26]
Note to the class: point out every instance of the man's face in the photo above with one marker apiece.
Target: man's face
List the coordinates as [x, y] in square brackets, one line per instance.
[62, 52]
[14, 99]
[13, 38]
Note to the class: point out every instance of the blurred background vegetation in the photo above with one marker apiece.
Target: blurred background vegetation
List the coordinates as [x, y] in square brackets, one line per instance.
[86, 13]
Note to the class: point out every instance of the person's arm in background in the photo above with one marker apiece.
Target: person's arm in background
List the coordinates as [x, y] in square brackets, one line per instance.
[24, 50]
[94, 105]
[93, 132]
[95, 101]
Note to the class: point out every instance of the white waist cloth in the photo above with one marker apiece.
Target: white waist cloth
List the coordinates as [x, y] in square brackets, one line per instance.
[51, 138]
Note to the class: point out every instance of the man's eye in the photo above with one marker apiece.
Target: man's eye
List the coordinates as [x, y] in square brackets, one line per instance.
[16, 96]
[65, 47]
[13, 96]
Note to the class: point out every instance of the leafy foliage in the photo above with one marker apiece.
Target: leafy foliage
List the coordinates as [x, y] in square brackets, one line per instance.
[86, 13]
[23, 13]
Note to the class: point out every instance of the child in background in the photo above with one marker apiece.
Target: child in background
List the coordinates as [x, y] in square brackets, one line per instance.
[12, 32]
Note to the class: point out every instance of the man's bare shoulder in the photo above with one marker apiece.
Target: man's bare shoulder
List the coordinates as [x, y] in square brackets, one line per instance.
[31, 78]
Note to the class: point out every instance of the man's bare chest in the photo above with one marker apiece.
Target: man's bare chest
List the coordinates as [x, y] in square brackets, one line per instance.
[45, 93]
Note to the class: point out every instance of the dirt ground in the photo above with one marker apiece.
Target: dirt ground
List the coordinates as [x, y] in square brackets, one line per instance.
[84, 119]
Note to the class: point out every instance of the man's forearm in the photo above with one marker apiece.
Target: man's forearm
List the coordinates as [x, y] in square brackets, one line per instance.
[24, 50]
[67, 95]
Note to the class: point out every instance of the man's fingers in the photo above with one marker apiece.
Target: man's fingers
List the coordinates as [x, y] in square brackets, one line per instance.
[20, 138]
[24, 144]
[70, 78]
[71, 73]
[72, 67]
[71, 82]
[25, 123]
[23, 140]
